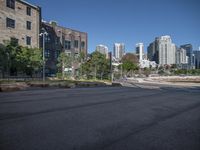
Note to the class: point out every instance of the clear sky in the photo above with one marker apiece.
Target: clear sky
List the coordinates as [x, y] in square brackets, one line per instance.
[127, 21]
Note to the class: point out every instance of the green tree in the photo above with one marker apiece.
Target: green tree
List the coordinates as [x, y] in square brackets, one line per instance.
[97, 67]
[8, 54]
[87, 69]
[3, 60]
[100, 65]
[82, 58]
[129, 63]
[129, 67]
[131, 58]
[15, 58]
[12, 49]
[64, 61]
[29, 60]
[36, 58]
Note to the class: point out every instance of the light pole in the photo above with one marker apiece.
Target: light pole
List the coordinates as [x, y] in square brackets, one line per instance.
[111, 72]
[43, 34]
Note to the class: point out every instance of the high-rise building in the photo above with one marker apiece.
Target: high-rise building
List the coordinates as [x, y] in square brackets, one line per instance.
[189, 49]
[62, 39]
[152, 52]
[140, 51]
[189, 53]
[119, 50]
[181, 57]
[102, 49]
[197, 59]
[162, 50]
[20, 22]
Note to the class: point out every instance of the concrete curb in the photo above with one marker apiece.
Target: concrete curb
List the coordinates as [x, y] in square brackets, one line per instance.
[11, 87]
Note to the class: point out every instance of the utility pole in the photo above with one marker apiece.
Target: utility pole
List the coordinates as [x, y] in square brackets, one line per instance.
[121, 71]
[111, 72]
[43, 34]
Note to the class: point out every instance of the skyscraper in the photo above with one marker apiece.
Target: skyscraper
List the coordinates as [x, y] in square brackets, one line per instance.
[140, 51]
[181, 57]
[152, 52]
[189, 53]
[197, 59]
[162, 50]
[119, 50]
[102, 49]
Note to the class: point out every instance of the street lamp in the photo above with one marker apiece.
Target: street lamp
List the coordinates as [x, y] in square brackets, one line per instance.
[43, 34]
[111, 72]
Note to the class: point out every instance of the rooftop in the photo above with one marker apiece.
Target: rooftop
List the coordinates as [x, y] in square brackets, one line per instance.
[29, 4]
[50, 24]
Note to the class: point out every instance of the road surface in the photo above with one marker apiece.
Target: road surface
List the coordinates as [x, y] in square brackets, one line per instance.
[107, 118]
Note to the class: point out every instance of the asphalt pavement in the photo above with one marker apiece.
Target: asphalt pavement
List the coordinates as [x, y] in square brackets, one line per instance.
[106, 118]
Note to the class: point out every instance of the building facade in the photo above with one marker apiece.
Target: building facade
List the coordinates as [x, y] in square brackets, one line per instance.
[152, 52]
[190, 54]
[20, 22]
[119, 50]
[102, 49]
[162, 51]
[197, 59]
[147, 64]
[139, 50]
[181, 56]
[167, 50]
[61, 39]
[189, 50]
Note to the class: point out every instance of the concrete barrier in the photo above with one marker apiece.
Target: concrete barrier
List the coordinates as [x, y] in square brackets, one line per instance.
[23, 85]
[10, 87]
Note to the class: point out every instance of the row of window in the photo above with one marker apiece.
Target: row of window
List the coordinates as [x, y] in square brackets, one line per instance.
[67, 44]
[11, 4]
[55, 55]
[15, 41]
[11, 23]
[76, 43]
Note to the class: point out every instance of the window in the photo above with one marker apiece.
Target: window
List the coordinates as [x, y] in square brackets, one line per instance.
[10, 23]
[28, 11]
[28, 40]
[47, 39]
[76, 43]
[47, 53]
[57, 40]
[55, 54]
[10, 4]
[82, 44]
[68, 45]
[28, 25]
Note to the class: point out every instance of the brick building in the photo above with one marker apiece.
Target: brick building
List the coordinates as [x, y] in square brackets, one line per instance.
[61, 39]
[20, 21]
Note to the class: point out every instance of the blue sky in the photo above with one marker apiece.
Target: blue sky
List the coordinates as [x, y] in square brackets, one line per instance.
[127, 21]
